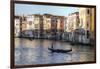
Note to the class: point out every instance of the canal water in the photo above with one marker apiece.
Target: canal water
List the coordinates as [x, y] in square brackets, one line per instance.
[31, 52]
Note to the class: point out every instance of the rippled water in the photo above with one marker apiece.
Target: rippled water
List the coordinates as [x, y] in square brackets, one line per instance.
[36, 52]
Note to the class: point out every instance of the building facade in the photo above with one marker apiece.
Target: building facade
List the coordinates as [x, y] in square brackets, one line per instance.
[47, 25]
[29, 32]
[38, 25]
[23, 24]
[17, 21]
[85, 24]
[60, 27]
[77, 27]
[92, 26]
[60, 23]
[30, 22]
[54, 27]
[72, 23]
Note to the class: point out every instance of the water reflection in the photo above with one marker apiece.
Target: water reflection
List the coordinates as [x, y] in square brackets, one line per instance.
[36, 52]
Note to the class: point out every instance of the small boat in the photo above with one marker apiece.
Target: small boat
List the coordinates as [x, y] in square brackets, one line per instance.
[59, 50]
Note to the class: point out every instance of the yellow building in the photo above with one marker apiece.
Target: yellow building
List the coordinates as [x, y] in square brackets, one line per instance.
[92, 20]
[92, 25]
[86, 16]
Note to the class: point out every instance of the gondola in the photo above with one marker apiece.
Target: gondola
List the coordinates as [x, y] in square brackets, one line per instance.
[59, 50]
[52, 49]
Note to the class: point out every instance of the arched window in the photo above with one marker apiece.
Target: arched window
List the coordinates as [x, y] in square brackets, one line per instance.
[88, 12]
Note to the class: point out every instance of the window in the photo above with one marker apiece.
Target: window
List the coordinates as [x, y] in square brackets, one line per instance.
[88, 12]
[30, 22]
[17, 24]
[87, 34]
[36, 25]
[87, 24]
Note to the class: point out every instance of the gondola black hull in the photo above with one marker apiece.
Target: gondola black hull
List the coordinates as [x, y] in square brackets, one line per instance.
[59, 50]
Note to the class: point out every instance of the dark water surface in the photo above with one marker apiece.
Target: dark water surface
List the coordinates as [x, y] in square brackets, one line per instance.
[29, 52]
